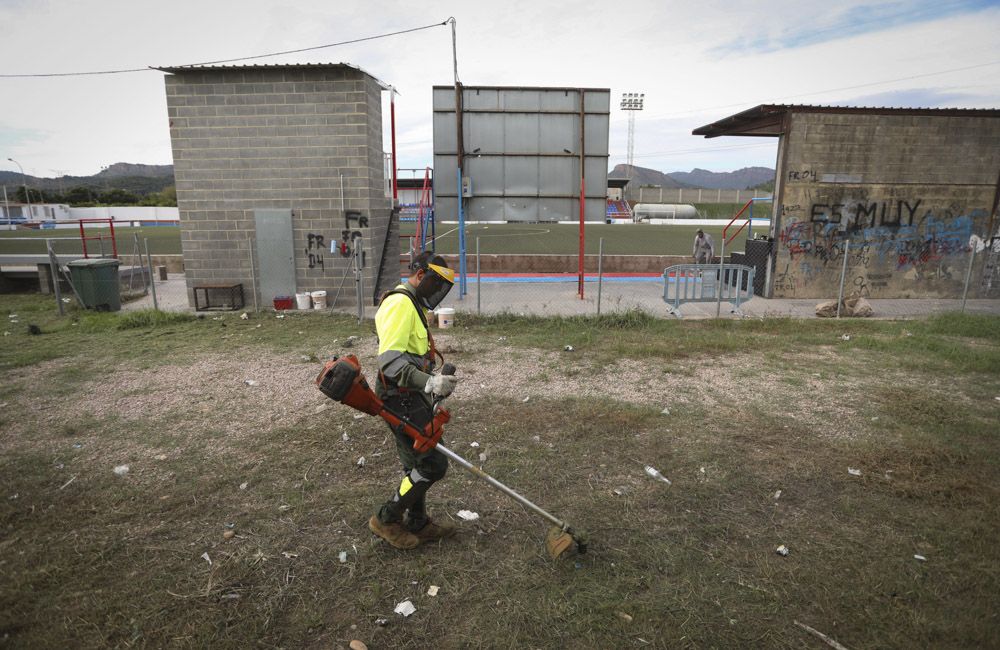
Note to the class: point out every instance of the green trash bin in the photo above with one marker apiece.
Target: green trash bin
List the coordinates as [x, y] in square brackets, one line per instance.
[96, 283]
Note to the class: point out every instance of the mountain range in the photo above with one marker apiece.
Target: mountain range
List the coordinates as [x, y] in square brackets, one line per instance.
[141, 179]
[154, 178]
[740, 179]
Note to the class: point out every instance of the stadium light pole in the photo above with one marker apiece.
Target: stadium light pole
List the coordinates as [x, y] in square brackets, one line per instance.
[631, 102]
[27, 196]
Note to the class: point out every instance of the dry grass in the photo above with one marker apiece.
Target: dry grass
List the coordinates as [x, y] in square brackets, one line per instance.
[104, 560]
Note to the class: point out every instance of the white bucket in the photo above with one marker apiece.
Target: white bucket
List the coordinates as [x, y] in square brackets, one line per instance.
[446, 317]
[303, 300]
[319, 299]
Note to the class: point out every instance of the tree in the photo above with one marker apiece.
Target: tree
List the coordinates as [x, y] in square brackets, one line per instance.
[118, 196]
[79, 195]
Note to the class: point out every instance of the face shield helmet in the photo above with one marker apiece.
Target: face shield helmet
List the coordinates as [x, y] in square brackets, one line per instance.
[435, 285]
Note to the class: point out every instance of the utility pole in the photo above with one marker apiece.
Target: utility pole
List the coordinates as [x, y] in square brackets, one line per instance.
[27, 196]
[631, 102]
[459, 158]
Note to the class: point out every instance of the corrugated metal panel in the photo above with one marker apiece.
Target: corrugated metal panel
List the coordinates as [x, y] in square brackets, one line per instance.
[522, 152]
[557, 174]
[444, 133]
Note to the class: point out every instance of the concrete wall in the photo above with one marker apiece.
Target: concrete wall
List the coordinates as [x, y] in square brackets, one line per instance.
[679, 195]
[912, 194]
[278, 138]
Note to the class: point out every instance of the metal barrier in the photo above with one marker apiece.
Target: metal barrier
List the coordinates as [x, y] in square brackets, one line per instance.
[684, 283]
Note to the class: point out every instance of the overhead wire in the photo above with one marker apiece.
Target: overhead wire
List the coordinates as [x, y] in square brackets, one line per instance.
[241, 58]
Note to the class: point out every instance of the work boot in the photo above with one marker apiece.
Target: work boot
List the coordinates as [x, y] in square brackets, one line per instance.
[433, 531]
[394, 533]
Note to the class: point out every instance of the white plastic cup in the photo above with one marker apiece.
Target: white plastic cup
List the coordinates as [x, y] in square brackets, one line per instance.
[446, 317]
[303, 300]
[319, 299]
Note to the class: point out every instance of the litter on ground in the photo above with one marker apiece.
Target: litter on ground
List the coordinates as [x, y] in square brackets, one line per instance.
[342, 556]
[361, 462]
[121, 470]
[665, 411]
[405, 608]
[433, 590]
[853, 472]
[782, 550]
[655, 473]
[244, 485]
[920, 557]
[205, 557]
[777, 495]
[250, 382]
[468, 515]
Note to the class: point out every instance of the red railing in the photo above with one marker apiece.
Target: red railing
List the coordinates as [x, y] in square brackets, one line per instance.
[84, 237]
[735, 217]
[425, 204]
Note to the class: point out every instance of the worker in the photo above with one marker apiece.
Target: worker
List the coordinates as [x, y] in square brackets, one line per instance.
[704, 250]
[407, 386]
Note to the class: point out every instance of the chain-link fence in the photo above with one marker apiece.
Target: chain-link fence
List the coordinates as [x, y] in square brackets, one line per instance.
[497, 280]
[616, 281]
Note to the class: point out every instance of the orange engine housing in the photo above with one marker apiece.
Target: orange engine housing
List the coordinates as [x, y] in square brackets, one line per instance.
[342, 380]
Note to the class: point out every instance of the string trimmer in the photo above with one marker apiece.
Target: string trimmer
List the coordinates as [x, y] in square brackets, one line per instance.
[342, 380]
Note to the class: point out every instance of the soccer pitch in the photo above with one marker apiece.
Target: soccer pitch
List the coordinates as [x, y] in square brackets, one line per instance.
[564, 239]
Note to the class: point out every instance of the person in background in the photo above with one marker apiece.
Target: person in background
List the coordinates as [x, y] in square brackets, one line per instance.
[704, 249]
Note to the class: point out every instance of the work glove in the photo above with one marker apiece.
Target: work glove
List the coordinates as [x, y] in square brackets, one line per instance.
[441, 385]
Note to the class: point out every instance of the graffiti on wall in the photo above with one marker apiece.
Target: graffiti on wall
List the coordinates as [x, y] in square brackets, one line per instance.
[350, 238]
[883, 232]
[315, 247]
[884, 239]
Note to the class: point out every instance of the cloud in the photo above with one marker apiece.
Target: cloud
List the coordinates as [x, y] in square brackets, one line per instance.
[912, 98]
[842, 22]
[11, 137]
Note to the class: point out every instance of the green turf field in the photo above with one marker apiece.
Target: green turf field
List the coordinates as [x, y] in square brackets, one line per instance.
[163, 240]
[528, 238]
[551, 238]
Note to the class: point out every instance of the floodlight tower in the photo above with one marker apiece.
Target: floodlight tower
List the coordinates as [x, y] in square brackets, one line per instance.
[631, 102]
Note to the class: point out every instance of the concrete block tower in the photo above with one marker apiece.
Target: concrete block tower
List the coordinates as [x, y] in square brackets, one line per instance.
[273, 165]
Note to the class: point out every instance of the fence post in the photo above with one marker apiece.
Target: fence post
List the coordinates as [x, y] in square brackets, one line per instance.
[843, 276]
[152, 280]
[600, 272]
[360, 280]
[718, 294]
[253, 275]
[968, 277]
[54, 272]
[479, 283]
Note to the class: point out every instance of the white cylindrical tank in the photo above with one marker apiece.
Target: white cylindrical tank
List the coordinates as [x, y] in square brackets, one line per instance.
[664, 211]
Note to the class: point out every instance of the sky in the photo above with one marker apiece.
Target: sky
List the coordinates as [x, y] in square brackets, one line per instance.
[696, 62]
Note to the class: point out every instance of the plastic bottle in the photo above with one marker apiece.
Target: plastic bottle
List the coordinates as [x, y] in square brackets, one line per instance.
[655, 473]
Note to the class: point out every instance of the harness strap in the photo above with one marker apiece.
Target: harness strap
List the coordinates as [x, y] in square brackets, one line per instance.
[423, 321]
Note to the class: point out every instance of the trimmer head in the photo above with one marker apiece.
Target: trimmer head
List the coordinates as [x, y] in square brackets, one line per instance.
[559, 542]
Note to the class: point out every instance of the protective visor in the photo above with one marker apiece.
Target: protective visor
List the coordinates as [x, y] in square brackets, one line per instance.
[435, 285]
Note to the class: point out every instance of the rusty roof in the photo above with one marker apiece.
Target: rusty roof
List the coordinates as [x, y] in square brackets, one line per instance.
[766, 120]
[179, 69]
